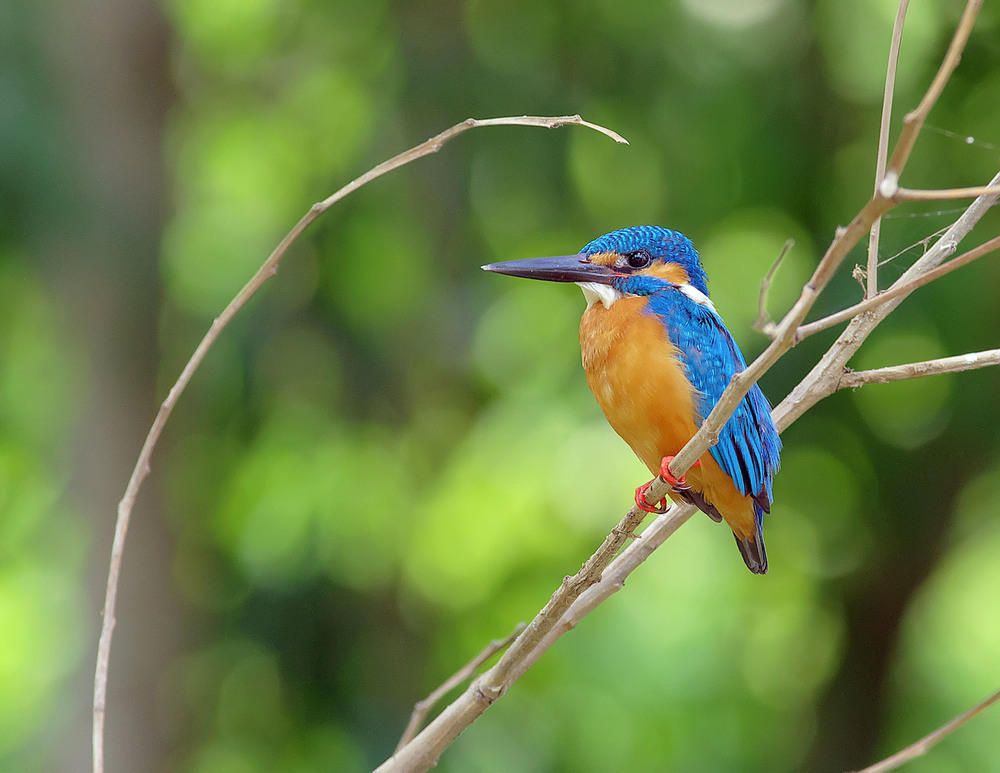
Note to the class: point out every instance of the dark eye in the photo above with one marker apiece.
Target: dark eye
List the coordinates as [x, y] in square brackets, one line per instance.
[639, 259]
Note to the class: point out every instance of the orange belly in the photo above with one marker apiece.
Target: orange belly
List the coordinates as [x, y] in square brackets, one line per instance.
[637, 377]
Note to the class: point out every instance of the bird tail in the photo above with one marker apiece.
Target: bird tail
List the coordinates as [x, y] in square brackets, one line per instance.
[752, 550]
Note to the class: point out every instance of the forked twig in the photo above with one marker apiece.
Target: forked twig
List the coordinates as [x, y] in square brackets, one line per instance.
[900, 289]
[765, 286]
[466, 672]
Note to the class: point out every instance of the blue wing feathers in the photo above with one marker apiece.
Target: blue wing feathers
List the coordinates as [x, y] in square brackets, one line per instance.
[749, 446]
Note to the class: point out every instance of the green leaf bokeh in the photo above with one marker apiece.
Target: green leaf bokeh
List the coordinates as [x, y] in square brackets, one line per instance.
[391, 458]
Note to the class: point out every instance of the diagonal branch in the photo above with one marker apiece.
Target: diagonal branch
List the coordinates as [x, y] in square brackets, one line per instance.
[266, 271]
[914, 120]
[922, 746]
[824, 378]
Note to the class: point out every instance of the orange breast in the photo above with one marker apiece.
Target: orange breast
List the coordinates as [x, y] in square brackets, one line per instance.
[638, 380]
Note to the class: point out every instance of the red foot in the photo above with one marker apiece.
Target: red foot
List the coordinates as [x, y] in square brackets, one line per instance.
[677, 484]
[640, 500]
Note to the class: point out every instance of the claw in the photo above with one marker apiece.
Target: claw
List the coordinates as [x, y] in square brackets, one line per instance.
[677, 484]
[640, 500]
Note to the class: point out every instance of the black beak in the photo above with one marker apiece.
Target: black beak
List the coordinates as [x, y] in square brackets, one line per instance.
[565, 268]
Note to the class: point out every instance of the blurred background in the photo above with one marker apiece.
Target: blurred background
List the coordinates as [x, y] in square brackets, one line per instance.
[391, 458]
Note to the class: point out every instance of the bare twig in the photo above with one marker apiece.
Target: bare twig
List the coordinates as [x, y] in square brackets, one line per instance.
[922, 746]
[914, 120]
[972, 361]
[266, 271]
[765, 286]
[825, 376]
[883, 142]
[421, 708]
[947, 194]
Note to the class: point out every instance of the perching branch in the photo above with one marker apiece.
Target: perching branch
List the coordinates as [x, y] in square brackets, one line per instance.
[580, 594]
[266, 271]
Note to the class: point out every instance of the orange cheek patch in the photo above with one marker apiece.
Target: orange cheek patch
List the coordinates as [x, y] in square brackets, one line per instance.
[603, 258]
[671, 272]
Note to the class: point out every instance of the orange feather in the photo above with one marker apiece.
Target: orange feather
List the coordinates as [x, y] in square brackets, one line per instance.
[638, 380]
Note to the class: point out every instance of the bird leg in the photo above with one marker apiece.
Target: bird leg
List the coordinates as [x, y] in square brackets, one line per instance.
[677, 484]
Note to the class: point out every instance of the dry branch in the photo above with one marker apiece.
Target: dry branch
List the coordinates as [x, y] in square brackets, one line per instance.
[899, 290]
[957, 364]
[579, 594]
[921, 747]
[883, 142]
[422, 708]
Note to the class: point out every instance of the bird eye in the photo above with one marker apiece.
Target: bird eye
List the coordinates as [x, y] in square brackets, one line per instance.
[639, 259]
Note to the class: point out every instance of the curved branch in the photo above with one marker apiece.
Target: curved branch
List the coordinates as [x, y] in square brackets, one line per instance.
[265, 272]
[914, 120]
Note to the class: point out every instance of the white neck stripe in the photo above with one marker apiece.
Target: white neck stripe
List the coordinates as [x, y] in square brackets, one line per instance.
[696, 295]
[595, 292]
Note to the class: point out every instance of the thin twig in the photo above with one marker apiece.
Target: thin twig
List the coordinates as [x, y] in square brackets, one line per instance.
[972, 361]
[266, 271]
[763, 319]
[946, 194]
[922, 746]
[883, 142]
[422, 708]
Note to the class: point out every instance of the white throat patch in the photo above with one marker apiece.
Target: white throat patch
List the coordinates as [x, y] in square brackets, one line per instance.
[595, 292]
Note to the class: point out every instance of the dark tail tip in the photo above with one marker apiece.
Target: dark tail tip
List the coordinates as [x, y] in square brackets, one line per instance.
[753, 552]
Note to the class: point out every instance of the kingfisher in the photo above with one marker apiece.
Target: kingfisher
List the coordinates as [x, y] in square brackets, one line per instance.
[658, 356]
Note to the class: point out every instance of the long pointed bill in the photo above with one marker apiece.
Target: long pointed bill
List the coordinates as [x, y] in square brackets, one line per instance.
[565, 268]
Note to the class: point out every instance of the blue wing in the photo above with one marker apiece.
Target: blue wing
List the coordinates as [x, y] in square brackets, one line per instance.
[749, 447]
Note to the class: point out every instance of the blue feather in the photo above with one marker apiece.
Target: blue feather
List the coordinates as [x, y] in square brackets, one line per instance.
[749, 447]
[668, 246]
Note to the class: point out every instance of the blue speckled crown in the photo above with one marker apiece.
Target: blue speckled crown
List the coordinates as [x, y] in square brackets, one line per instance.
[664, 244]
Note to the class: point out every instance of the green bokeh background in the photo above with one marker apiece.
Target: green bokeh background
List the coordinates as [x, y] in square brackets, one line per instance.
[391, 458]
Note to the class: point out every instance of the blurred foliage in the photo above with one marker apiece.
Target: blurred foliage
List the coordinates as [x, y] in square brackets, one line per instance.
[391, 457]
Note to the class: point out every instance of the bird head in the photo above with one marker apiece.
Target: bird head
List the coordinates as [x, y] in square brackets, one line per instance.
[632, 261]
